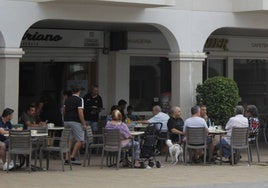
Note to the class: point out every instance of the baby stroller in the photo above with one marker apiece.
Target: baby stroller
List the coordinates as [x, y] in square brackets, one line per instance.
[149, 146]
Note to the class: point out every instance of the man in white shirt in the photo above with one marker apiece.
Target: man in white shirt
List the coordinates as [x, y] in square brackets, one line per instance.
[237, 121]
[197, 121]
[159, 116]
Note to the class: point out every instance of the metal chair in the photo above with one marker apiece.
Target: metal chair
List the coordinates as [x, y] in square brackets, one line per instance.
[39, 142]
[20, 142]
[254, 140]
[112, 143]
[196, 138]
[89, 144]
[239, 140]
[62, 148]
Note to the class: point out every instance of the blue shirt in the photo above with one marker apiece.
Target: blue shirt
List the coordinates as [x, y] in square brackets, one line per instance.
[6, 125]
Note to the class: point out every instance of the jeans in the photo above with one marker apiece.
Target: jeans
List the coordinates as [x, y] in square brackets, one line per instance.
[93, 124]
[226, 148]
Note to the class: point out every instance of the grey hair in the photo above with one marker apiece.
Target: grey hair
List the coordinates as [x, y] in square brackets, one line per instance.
[239, 109]
[252, 109]
[195, 109]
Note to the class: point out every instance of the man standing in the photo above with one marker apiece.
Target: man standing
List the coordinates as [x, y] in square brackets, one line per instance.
[237, 121]
[93, 105]
[175, 125]
[5, 126]
[74, 118]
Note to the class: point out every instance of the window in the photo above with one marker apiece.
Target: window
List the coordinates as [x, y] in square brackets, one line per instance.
[214, 67]
[150, 81]
[251, 76]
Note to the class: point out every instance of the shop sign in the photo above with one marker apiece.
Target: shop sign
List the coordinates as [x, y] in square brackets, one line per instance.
[62, 38]
[236, 44]
[147, 40]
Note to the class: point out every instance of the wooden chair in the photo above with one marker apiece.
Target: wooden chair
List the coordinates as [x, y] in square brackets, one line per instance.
[196, 138]
[239, 140]
[63, 148]
[20, 143]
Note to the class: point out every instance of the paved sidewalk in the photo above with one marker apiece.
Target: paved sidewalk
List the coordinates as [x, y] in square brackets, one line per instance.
[168, 176]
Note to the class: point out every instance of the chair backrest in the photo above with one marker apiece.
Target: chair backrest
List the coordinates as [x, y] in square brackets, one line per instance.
[64, 139]
[111, 139]
[40, 129]
[20, 139]
[196, 136]
[89, 135]
[239, 137]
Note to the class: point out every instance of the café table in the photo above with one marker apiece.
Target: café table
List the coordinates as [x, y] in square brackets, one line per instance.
[133, 126]
[221, 132]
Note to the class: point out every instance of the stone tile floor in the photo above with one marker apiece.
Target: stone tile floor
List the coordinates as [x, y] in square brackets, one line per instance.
[168, 176]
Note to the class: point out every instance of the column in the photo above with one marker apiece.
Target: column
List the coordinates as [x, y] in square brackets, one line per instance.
[186, 75]
[9, 79]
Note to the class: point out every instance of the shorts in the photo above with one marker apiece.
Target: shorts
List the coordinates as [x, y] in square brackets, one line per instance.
[77, 133]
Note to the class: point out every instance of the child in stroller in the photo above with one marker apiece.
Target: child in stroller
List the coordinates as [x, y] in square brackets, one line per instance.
[149, 145]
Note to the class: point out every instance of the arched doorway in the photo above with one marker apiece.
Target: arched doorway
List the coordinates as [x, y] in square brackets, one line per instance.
[240, 54]
[59, 53]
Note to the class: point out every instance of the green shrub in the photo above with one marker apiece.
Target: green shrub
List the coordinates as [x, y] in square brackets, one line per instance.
[220, 95]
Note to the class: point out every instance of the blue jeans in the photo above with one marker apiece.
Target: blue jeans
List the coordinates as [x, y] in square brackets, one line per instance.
[93, 124]
[226, 148]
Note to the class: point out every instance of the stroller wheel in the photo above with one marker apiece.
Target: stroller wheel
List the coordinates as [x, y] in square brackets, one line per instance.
[151, 164]
[158, 164]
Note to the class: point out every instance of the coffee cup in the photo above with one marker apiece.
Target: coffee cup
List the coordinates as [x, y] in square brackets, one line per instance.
[33, 132]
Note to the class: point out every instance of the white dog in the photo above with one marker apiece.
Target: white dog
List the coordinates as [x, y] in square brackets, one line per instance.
[175, 151]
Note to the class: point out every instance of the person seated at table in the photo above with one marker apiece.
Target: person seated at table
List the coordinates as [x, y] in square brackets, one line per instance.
[237, 121]
[5, 126]
[196, 121]
[130, 115]
[126, 138]
[175, 125]
[122, 106]
[109, 117]
[29, 118]
[253, 121]
[158, 116]
[203, 114]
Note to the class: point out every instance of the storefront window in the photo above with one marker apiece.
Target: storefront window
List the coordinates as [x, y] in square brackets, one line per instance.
[214, 67]
[251, 76]
[150, 82]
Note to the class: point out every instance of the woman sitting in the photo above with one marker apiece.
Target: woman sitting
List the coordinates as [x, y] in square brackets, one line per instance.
[116, 123]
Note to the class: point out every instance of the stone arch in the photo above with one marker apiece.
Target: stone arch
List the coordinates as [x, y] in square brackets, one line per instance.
[171, 39]
[2, 40]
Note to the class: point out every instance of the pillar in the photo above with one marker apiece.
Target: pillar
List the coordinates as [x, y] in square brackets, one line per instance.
[186, 70]
[9, 79]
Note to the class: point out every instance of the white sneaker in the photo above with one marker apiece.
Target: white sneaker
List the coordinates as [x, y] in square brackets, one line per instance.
[5, 166]
[11, 165]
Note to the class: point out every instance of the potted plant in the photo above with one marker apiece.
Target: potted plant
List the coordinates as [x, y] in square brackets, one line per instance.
[220, 95]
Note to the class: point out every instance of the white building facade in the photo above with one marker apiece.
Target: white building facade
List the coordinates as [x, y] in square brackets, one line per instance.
[50, 42]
